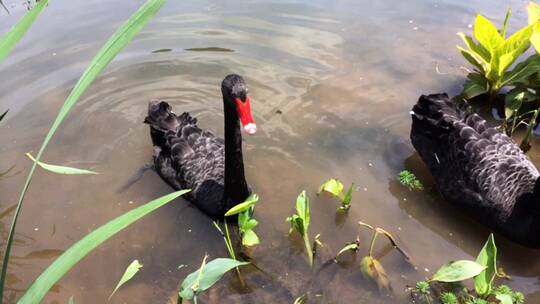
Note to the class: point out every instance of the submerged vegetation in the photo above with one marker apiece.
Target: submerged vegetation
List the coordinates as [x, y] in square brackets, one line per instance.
[409, 180]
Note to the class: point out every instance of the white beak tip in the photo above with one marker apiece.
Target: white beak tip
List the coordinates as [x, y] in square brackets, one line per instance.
[250, 128]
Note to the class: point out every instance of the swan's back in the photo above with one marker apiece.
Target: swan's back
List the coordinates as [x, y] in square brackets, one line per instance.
[475, 166]
[187, 157]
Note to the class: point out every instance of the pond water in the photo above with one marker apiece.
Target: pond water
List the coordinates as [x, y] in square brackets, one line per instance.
[332, 83]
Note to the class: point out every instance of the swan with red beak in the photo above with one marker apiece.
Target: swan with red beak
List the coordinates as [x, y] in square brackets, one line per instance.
[244, 111]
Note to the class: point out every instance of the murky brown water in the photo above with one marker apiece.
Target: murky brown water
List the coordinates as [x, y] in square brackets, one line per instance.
[343, 75]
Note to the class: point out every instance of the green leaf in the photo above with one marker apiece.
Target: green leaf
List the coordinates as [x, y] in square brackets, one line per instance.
[130, 272]
[302, 208]
[504, 29]
[71, 300]
[250, 224]
[75, 253]
[250, 201]
[521, 71]
[488, 258]
[346, 203]
[113, 46]
[301, 300]
[10, 40]
[211, 273]
[512, 49]
[504, 298]
[373, 270]
[350, 247]
[535, 37]
[333, 187]
[533, 10]
[250, 238]
[60, 169]
[457, 271]
[477, 50]
[474, 60]
[487, 34]
[475, 87]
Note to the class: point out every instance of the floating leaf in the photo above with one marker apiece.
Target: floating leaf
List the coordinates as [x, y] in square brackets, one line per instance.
[211, 273]
[130, 272]
[250, 201]
[457, 271]
[488, 258]
[75, 253]
[249, 238]
[346, 202]
[333, 187]
[60, 169]
[373, 270]
[10, 40]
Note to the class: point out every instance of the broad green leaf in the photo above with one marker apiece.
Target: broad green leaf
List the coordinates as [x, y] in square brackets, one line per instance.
[474, 60]
[75, 253]
[533, 10]
[513, 102]
[211, 273]
[508, 52]
[250, 224]
[487, 34]
[504, 29]
[535, 37]
[521, 71]
[250, 238]
[107, 53]
[60, 169]
[333, 187]
[250, 201]
[475, 49]
[473, 88]
[488, 258]
[71, 300]
[350, 247]
[504, 298]
[457, 271]
[130, 272]
[373, 270]
[9, 41]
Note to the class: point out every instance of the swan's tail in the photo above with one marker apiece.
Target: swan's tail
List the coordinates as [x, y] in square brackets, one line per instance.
[163, 121]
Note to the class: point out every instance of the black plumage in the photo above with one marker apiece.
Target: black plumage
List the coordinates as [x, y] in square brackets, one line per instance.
[478, 168]
[187, 157]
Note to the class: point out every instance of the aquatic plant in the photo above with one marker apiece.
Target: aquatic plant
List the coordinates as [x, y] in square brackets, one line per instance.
[108, 52]
[409, 180]
[483, 271]
[335, 188]
[10, 40]
[129, 273]
[493, 55]
[246, 222]
[205, 277]
[300, 223]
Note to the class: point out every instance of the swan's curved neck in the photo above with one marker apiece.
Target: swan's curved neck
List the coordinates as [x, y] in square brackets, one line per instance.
[236, 188]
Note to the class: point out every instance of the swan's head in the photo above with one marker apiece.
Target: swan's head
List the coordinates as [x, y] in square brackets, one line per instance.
[235, 91]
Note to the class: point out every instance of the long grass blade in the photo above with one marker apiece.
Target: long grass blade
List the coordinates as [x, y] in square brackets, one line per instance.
[9, 41]
[3, 114]
[75, 253]
[60, 169]
[115, 44]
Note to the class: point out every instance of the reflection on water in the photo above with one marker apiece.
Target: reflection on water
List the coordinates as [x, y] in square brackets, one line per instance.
[331, 83]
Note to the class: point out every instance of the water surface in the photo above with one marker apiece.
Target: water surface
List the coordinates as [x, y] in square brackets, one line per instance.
[332, 83]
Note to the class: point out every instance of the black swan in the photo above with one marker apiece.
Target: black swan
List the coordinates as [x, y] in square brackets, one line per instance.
[187, 157]
[478, 168]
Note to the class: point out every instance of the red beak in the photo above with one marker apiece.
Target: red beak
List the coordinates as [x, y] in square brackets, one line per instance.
[244, 111]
